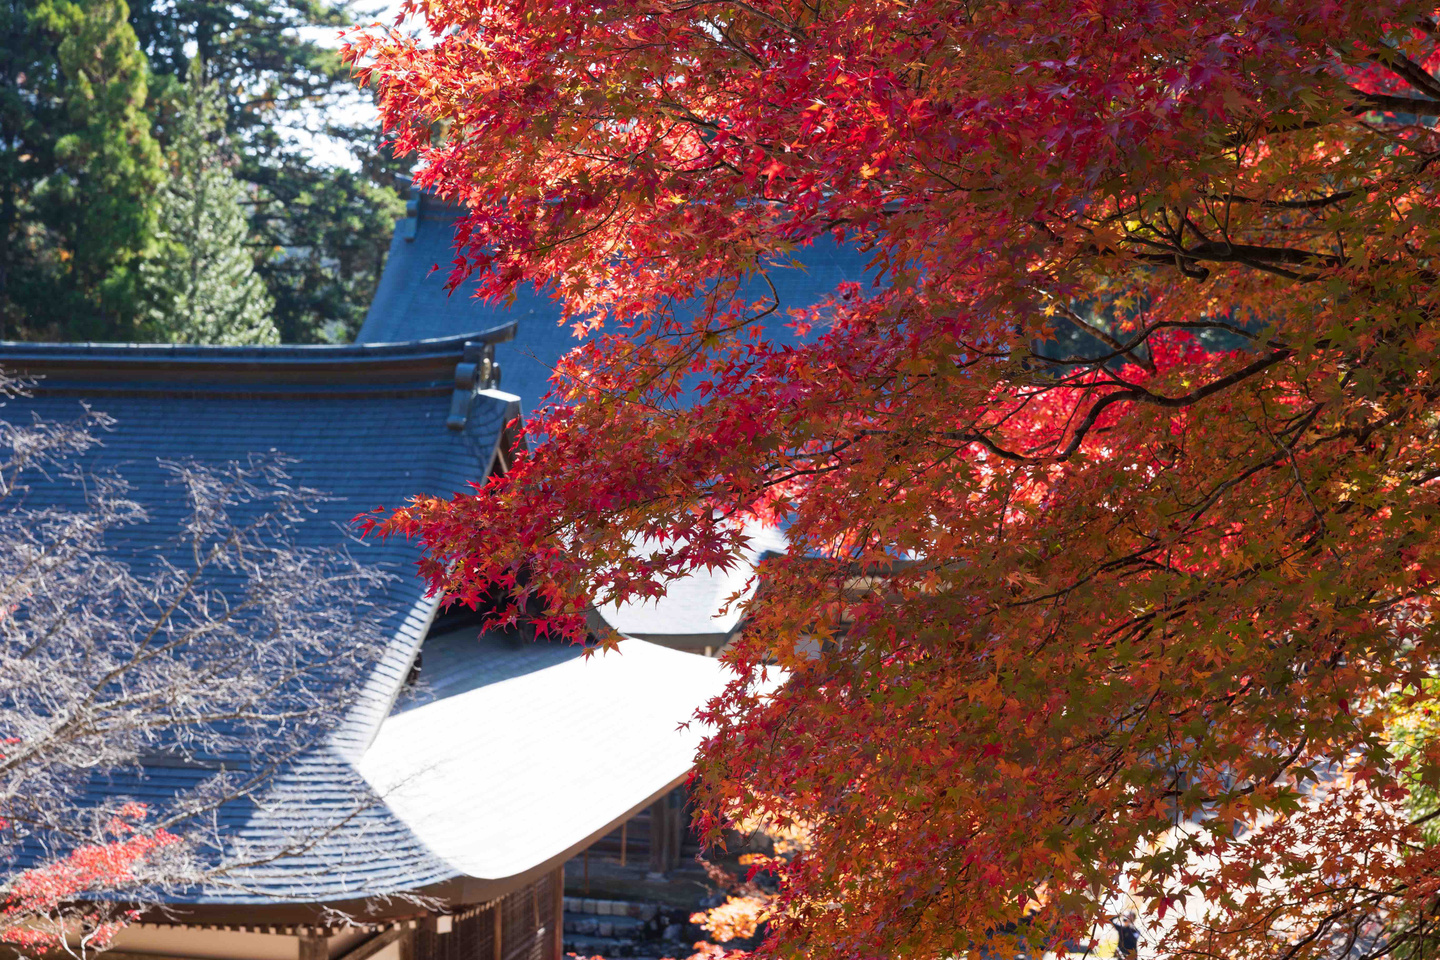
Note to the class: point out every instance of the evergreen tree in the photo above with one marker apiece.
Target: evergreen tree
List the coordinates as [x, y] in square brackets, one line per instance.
[326, 228]
[201, 287]
[78, 169]
[30, 114]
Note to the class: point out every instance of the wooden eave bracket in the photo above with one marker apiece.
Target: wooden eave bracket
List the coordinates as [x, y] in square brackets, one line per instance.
[476, 371]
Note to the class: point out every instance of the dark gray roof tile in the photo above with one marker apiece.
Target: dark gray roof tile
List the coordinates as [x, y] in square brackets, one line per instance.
[366, 426]
[411, 300]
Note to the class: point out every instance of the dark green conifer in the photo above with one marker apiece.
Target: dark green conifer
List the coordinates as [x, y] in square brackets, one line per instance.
[108, 164]
[200, 285]
[325, 228]
[79, 169]
[78, 178]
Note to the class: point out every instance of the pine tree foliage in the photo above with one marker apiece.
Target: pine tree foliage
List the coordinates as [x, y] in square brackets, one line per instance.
[99, 197]
[326, 227]
[29, 116]
[201, 287]
[80, 168]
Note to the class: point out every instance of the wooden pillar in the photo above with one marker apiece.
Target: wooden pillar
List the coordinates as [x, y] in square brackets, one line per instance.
[659, 835]
[499, 953]
[429, 928]
[678, 824]
[407, 943]
[314, 948]
[557, 941]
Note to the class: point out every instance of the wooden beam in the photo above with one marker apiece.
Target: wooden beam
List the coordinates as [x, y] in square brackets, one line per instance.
[367, 949]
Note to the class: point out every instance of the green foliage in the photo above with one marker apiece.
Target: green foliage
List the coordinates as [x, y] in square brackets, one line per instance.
[201, 286]
[103, 194]
[78, 169]
[261, 52]
[328, 230]
[1414, 737]
[29, 267]
[323, 230]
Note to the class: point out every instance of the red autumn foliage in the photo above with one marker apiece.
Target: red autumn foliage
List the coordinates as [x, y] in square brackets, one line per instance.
[41, 906]
[1111, 499]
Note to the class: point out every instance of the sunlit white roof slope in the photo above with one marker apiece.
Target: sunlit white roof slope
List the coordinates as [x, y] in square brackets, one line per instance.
[513, 753]
[697, 611]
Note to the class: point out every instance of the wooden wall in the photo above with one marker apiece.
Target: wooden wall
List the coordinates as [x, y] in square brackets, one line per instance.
[524, 925]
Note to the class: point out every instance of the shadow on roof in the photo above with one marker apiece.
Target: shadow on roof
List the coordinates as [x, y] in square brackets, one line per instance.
[463, 659]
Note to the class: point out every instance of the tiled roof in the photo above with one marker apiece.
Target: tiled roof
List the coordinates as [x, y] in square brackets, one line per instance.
[365, 425]
[696, 611]
[411, 303]
[512, 753]
[532, 750]
[411, 300]
[338, 841]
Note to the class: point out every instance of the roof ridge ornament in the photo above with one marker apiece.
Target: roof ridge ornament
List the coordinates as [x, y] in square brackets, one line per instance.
[476, 371]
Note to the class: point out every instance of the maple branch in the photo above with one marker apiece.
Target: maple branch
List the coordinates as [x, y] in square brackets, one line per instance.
[1179, 566]
[1141, 338]
[1423, 107]
[1253, 255]
[1312, 204]
[1407, 69]
[1131, 394]
[1104, 335]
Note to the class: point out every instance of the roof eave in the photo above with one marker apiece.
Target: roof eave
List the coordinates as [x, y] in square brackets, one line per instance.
[369, 365]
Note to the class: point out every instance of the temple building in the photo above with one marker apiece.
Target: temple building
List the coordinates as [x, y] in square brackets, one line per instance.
[442, 813]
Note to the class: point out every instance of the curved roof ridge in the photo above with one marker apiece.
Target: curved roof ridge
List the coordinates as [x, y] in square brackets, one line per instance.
[429, 364]
[173, 354]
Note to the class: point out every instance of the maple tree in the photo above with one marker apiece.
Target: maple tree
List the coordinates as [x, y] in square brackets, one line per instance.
[1112, 501]
[747, 905]
[45, 908]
